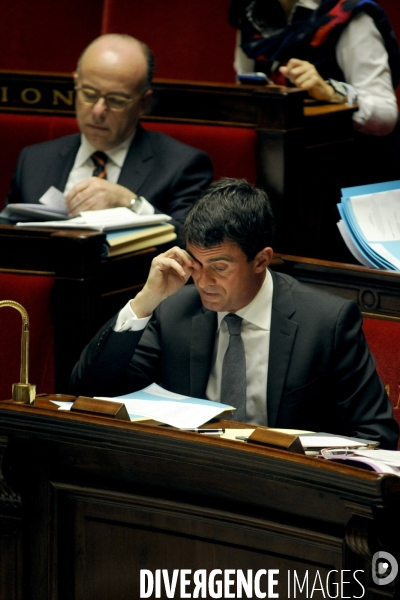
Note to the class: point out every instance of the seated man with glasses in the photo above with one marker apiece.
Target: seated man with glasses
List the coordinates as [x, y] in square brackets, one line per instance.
[114, 162]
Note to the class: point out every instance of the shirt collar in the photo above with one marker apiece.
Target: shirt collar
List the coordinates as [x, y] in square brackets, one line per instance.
[311, 4]
[258, 311]
[117, 155]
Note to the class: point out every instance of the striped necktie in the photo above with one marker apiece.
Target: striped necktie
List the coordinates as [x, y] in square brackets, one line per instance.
[99, 160]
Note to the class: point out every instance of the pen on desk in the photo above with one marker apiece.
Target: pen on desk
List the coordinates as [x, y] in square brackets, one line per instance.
[207, 431]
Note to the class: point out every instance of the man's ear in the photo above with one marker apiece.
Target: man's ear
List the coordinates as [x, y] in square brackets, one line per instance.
[146, 99]
[262, 259]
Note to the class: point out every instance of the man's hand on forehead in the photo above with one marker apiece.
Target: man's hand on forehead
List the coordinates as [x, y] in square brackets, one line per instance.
[169, 272]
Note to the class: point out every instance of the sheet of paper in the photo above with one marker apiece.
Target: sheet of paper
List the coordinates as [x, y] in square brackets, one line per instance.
[352, 246]
[173, 409]
[99, 220]
[331, 441]
[167, 407]
[365, 222]
[119, 216]
[54, 199]
[292, 431]
[384, 251]
[234, 434]
[370, 188]
[173, 413]
[391, 457]
[378, 215]
[62, 405]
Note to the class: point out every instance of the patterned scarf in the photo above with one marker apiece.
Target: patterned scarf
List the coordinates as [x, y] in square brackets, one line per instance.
[312, 35]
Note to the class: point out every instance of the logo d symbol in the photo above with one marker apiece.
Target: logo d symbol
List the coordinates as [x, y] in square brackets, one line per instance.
[384, 568]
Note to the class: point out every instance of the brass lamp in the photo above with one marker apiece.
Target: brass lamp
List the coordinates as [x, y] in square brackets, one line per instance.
[22, 392]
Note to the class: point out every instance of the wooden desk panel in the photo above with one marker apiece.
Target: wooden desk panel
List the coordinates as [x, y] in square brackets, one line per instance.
[103, 499]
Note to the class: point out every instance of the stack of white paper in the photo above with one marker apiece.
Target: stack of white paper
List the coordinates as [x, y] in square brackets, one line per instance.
[109, 219]
[370, 224]
[51, 207]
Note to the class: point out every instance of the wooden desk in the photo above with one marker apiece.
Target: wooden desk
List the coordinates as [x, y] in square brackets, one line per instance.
[90, 501]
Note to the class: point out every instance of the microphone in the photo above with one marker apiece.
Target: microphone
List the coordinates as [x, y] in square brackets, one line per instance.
[22, 392]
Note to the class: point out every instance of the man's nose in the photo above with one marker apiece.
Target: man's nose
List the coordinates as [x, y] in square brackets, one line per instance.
[203, 279]
[99, 108]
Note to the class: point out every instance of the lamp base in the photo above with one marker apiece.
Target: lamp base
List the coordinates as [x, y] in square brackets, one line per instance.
[24, 393]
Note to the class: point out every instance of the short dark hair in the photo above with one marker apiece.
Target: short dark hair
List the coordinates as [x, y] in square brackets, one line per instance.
[231, 210]
[151, 66]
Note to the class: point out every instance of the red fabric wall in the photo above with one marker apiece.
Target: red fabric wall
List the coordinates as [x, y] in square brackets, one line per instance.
[47, 35]
[191, 40]
[35, 293]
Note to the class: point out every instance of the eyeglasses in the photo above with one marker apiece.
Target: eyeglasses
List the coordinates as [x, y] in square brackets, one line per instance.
[115, 102]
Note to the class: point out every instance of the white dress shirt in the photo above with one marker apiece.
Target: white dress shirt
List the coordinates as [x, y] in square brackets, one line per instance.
[362, 56]
[255, 332]
[83, 167]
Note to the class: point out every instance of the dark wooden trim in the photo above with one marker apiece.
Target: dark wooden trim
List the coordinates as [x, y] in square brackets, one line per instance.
[127, 496]
[244, 106]
[377, 292]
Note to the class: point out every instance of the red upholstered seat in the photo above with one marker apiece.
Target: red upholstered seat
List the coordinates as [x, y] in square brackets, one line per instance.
[231, 149]
[383, 337]
[35, 293]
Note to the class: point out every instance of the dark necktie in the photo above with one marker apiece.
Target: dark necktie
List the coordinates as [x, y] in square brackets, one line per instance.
[99, 160]
[233, 381]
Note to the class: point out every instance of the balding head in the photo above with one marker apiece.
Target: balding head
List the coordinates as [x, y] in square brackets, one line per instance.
[113, 48]
[120, 66]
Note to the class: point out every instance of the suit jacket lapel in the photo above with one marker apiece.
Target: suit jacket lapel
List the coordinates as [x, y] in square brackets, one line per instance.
[201, 351]
[66, 156]
[138, 162]
[283, 333]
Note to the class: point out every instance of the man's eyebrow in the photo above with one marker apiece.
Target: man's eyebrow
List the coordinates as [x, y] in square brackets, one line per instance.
[211, 260]
[112, 93]
[218, 258]
[191, 255]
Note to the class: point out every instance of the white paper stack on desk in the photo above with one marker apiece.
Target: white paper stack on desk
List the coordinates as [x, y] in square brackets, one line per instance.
[126, 231]
[370, 224]
[109, 219]
[51, 212]
[380, 461]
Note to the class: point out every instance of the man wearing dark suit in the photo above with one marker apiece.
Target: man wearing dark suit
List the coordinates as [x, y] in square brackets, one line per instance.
[146, 171]
[307, 364]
